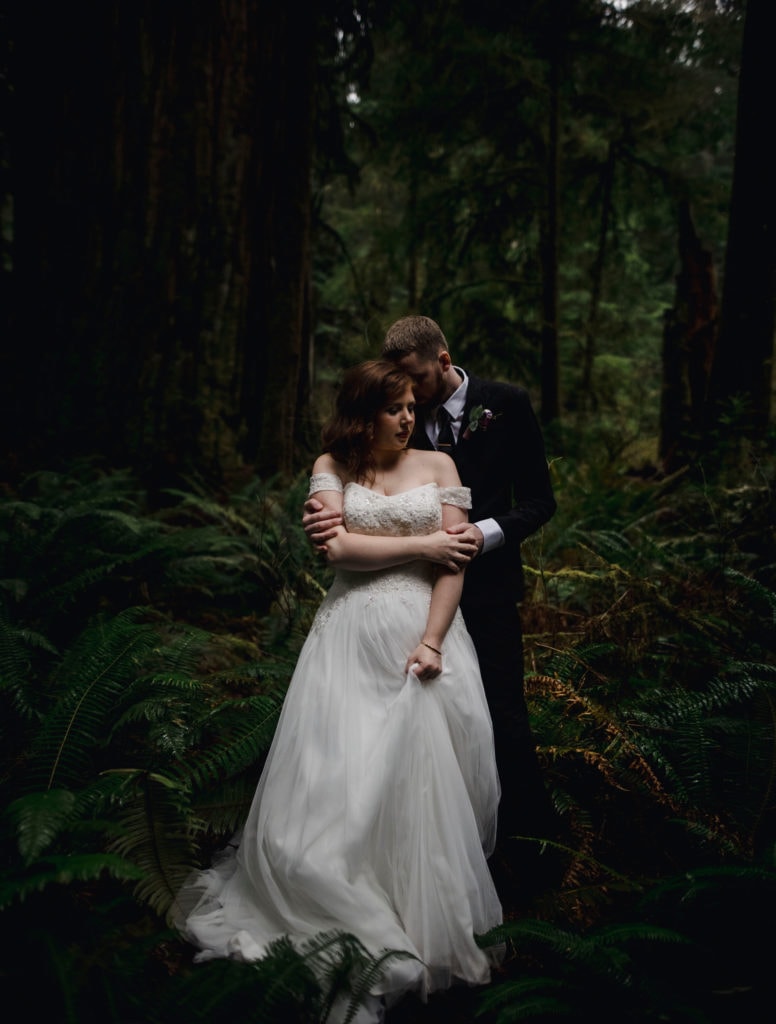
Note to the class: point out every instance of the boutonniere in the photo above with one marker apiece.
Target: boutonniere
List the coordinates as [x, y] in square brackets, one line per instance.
[480, 418]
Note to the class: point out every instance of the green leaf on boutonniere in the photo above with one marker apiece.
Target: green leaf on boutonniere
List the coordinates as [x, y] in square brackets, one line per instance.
[480, 418]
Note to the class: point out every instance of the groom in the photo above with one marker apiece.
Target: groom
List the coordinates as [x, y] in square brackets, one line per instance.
[492, 434]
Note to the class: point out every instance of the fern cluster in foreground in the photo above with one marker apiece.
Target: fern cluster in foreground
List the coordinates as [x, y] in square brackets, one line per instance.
[144, 655]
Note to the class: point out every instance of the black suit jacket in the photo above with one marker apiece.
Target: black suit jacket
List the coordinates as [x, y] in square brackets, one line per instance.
[506, 468]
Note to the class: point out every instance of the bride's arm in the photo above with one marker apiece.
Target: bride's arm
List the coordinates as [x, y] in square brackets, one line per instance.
[445, 598]
[364, 553]
[358, 552]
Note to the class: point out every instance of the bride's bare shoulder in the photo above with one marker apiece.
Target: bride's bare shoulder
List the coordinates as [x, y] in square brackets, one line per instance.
[326, 464]
[437, 467]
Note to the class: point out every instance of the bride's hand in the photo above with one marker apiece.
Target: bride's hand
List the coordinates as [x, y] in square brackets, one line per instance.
[425, 662]
[452, 550]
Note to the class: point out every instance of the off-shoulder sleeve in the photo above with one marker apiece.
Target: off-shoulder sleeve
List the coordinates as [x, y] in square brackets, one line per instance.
[324, 482]
[461, 497]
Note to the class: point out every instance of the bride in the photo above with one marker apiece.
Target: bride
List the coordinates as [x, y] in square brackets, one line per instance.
[376, 808]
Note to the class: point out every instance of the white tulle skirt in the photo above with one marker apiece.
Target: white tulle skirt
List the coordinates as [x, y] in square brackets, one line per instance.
[377, 805]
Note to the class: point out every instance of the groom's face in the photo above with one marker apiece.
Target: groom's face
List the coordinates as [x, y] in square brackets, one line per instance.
[427, 377]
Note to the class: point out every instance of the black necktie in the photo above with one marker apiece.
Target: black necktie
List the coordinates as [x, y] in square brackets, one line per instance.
[445, 439]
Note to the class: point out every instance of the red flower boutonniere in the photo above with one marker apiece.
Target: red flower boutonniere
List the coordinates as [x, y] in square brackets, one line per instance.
[480, 418]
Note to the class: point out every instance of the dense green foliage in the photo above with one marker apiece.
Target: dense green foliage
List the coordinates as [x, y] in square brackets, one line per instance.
[147, 635]
[451, 135]
[144, 652]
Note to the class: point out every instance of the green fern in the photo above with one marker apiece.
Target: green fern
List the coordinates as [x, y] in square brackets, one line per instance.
[156, 831]
[293, 983]
[64, 870]
[593, 973]
[17, 646]
[242, 731]
[89, 686]
[39, 818]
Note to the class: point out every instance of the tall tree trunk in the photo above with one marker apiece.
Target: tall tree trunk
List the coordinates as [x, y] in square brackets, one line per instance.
[688, 345]
[550, 362]
[162, 155]
[280, 303]
[743, 361]
[587, 398]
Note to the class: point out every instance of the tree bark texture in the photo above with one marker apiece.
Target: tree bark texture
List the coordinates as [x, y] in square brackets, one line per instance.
[162, 156]
[587, 396]
[744, 356]
[548, 233]
[688, 347]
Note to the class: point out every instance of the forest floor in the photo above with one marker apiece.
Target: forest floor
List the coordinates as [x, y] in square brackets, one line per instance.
[455, 1006]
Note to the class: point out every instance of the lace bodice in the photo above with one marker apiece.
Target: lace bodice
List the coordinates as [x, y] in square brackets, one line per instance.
[415, 512]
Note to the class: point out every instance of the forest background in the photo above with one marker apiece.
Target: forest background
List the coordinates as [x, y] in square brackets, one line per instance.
[209, 209]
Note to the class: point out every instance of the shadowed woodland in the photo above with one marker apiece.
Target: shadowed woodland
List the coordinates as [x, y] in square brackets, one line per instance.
[208, 211]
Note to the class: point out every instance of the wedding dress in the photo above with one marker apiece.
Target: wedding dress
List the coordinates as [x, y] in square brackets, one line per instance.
[376, 808]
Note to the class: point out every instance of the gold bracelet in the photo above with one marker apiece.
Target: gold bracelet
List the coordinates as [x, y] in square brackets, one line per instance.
[423, 642]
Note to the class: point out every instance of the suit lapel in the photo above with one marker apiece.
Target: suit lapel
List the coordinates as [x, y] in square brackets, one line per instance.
[464, 449]
[474, 397]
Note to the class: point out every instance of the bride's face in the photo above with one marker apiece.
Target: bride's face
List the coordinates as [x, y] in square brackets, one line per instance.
[394, 423]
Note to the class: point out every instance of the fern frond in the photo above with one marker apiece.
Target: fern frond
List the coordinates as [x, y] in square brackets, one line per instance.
[293, 982]
[39, 818]
[223, 809]
[181, 649]
[695, 881]
[92, 682]
[345, 969]
[15, 675]
[531, 999]
[64, 870]
[156, 834]
[370, 972]
[170, 708]
[740, 681]
[754, 589]
[243, 730]
[634, 931]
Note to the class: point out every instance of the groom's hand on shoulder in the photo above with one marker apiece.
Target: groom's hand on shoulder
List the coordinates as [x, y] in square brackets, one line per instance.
[319, 523]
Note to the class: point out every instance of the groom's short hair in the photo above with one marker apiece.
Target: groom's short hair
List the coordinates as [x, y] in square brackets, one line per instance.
[414, 335]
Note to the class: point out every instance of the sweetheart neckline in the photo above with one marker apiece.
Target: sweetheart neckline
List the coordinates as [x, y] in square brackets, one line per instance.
[418, 487]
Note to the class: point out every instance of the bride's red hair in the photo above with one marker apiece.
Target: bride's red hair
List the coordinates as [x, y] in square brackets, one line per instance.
[365, 390]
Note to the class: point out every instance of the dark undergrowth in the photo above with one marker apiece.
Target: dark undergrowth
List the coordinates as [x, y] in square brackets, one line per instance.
[144, 653]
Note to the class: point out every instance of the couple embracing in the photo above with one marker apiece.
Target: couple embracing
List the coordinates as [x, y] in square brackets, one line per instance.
[403, 754]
